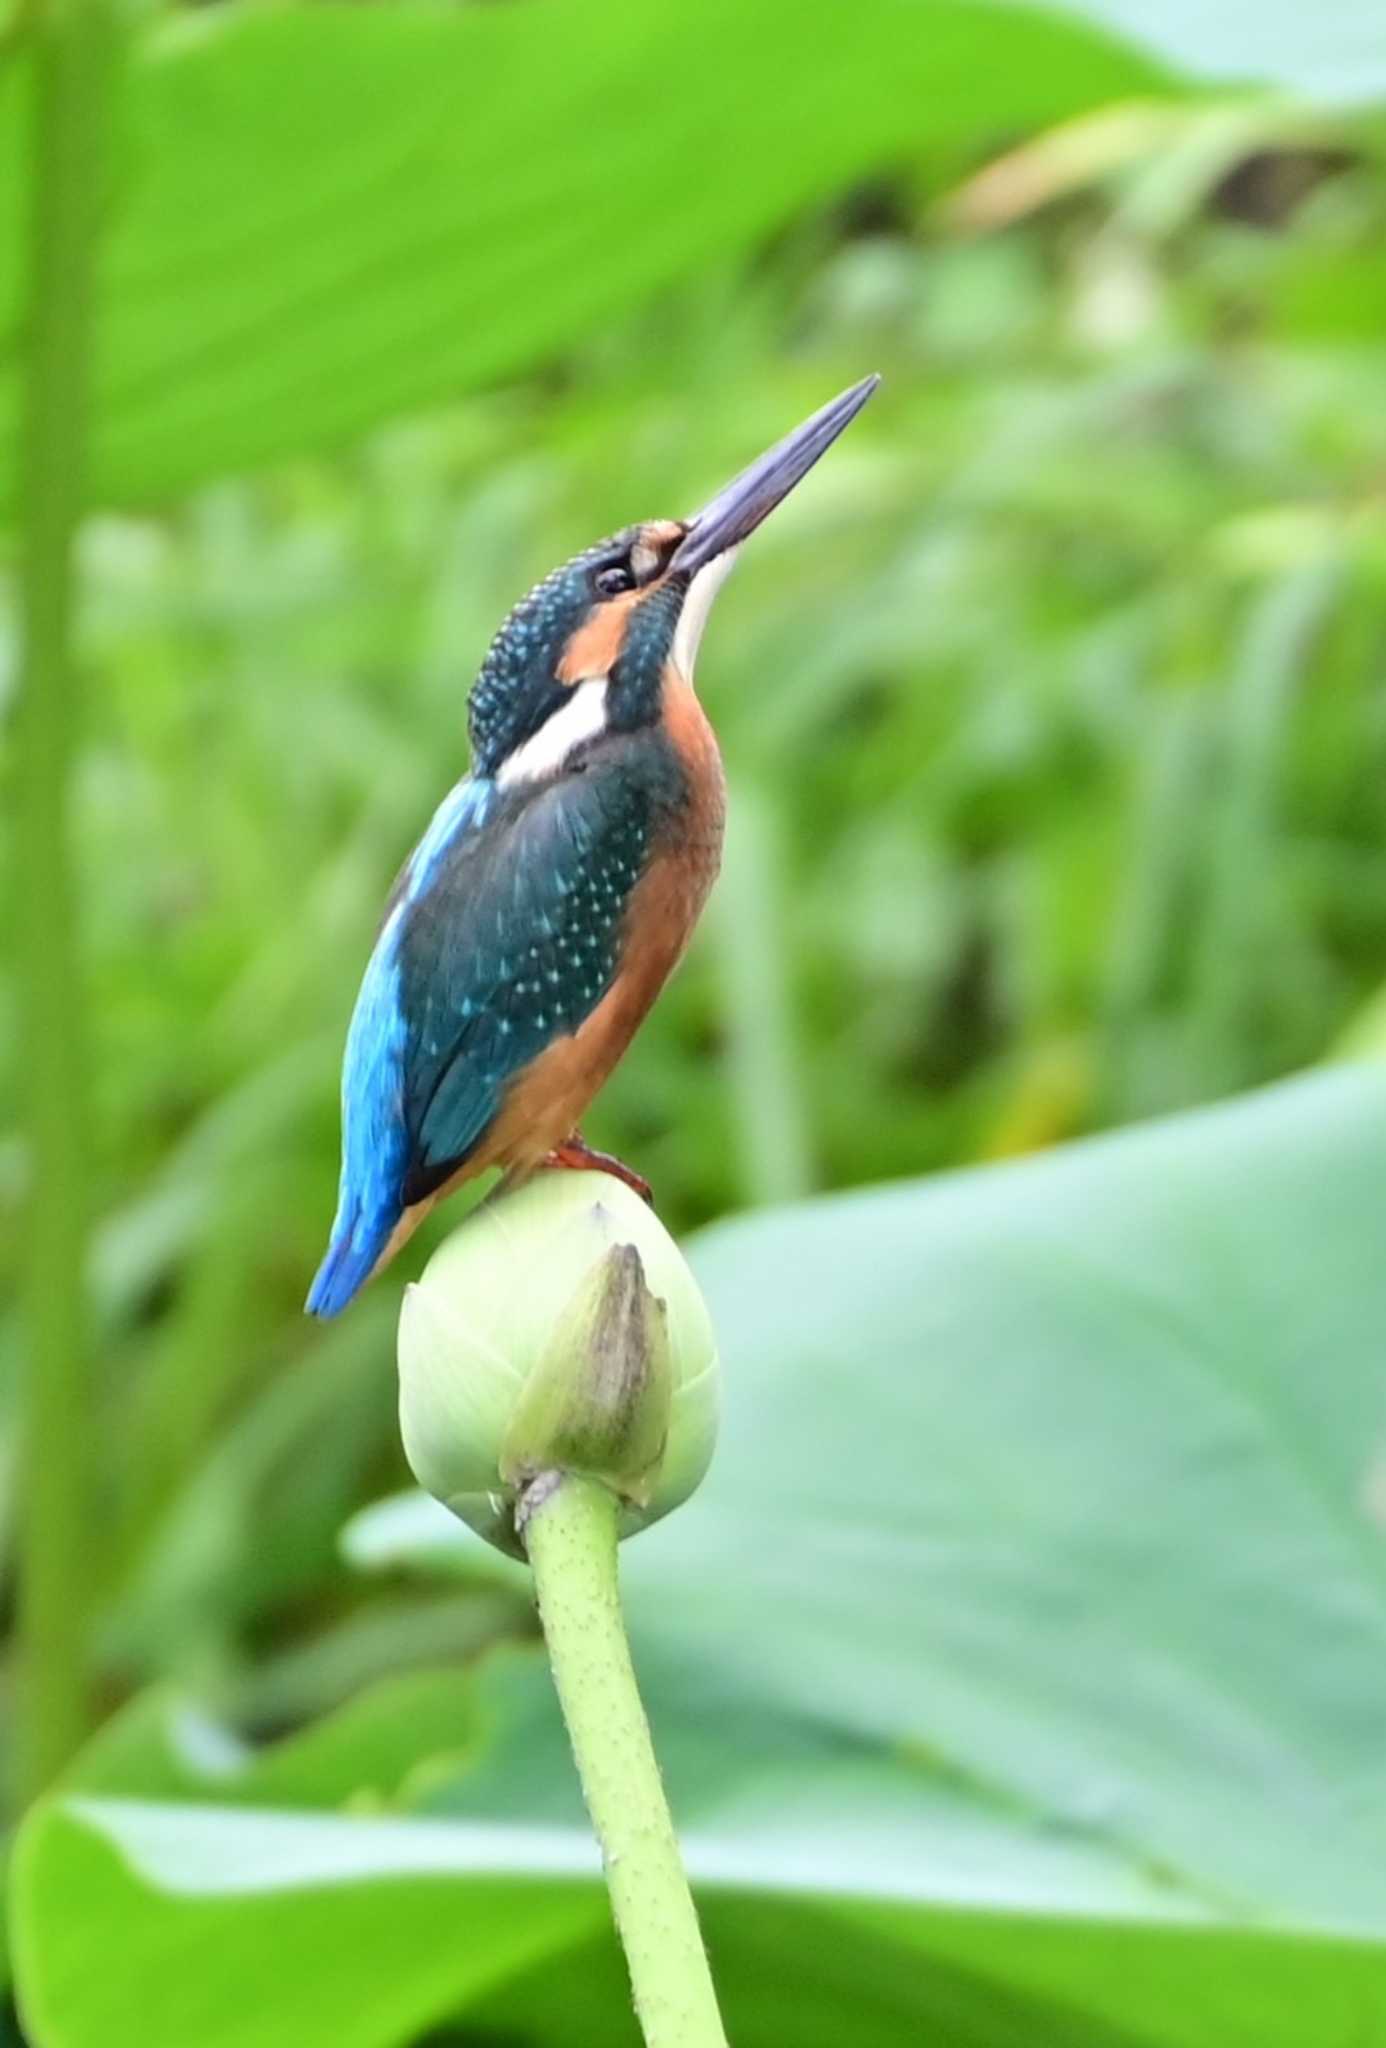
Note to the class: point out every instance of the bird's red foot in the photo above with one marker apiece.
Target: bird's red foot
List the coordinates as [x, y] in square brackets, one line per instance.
[575, 1152]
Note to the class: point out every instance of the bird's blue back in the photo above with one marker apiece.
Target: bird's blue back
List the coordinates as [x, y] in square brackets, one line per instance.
[502, 934]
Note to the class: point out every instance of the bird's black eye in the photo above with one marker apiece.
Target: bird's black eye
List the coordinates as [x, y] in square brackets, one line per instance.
[612, 581]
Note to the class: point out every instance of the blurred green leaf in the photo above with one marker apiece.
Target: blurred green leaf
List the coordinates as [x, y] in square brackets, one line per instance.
[364, 1958]
[1023, 1659]
[409, 1527]
[324, 216]
[1333, 293]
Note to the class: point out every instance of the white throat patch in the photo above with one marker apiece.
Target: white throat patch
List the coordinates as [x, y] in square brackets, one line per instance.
[696, 606]
[583, 717]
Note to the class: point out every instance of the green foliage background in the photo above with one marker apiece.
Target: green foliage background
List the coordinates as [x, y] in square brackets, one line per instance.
[1052, 710]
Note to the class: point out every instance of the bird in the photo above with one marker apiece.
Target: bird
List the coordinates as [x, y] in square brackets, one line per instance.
[559, 881]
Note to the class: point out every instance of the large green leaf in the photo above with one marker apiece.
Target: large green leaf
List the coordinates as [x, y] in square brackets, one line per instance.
[1084, 1463]
[806, 1848]
[1020, 1672]
[322, 216]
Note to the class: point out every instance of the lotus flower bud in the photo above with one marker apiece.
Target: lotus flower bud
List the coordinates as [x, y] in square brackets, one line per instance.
[557, 1330]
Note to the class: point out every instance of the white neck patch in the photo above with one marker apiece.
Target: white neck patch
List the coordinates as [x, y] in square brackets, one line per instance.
[696, 606]
[583, 717]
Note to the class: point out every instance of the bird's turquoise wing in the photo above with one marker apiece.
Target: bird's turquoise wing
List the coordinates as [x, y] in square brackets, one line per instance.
[501, 936]
[512, 946]
[375, 1138]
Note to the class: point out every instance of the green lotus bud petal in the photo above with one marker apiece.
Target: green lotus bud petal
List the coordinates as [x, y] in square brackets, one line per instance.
[558, 1329]
[598, 1399]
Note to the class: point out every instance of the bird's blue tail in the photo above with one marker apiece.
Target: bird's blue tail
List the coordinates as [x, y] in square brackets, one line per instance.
[357, 1241]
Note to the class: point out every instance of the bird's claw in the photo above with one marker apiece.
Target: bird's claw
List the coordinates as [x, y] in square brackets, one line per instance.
[576, 1154]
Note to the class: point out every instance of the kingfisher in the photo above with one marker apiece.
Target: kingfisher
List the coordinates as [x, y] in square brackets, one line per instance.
[558, 883]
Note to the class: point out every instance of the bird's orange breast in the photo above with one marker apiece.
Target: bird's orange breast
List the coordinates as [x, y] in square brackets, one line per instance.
[548, 1100]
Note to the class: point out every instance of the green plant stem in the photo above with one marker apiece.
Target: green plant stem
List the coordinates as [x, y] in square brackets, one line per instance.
[570, 1535]
[764, 1069]
[71, 50]
[1239, 933]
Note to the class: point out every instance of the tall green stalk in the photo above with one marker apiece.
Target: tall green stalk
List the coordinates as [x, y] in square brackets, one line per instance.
[71, 44]
[1238, 934]
[770, 1112]
[570, 1537]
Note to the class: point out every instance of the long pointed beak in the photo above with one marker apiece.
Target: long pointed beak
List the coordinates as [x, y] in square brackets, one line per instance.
[741, 505]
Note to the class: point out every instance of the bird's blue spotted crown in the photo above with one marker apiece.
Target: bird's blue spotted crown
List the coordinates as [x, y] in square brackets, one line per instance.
[518, 688]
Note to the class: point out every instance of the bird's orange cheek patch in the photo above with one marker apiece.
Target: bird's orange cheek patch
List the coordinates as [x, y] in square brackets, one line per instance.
[593, 649]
